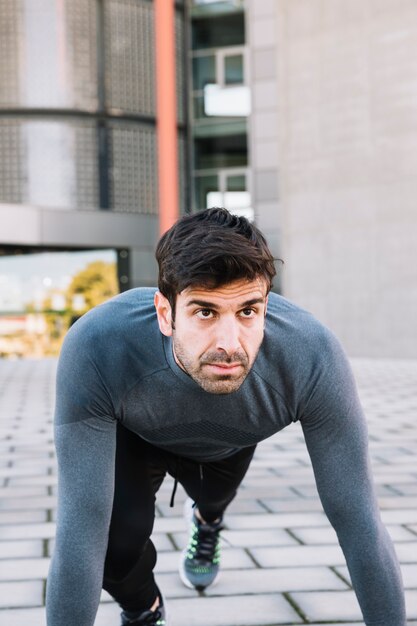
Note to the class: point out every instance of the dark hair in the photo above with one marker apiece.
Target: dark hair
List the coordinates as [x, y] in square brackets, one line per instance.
[209, 249]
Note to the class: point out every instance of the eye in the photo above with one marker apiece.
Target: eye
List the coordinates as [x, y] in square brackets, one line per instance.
[248, 312]
[204, 314]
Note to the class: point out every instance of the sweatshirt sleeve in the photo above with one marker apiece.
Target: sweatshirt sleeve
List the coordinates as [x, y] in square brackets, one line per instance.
[85, 440]
[336, 436]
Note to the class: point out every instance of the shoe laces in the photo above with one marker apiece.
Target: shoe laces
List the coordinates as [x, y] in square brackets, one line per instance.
[205, 541]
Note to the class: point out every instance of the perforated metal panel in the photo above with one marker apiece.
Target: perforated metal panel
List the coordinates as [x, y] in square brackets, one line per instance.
[11, 163]
[86, 163]
[134, 168]
[81, 43]
[10, 33]
[130, 55]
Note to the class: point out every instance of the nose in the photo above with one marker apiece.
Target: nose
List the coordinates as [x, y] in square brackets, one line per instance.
[227, 337]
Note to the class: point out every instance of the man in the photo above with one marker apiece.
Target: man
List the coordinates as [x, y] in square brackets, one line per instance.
[187, 380]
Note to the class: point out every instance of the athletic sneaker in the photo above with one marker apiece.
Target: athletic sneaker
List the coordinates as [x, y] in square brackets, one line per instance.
[146, 618]
[199, 566]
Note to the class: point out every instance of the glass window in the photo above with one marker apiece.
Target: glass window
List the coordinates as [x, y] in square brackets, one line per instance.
[204, 71]
[236, 182]
[42, 294]
[204, 186]
[233, 69]
[220, 152]
[218, 31]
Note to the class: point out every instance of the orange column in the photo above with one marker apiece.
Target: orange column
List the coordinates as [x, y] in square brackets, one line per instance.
[166, 114]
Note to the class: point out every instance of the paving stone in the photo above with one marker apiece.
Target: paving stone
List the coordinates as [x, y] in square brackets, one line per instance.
[327, 535]
[46, 480]
[23, 569]
[242, 610]
[411, 603]
[27, 531]
[402, 516]
[292, 506]
[272, 520]
[278, 495]
[300, 555]
[331, 605]
[9, 549]
[19, 491]
[21, 517]
[407, 552]
[278, 579]
[18, 594]
[25, 617]
[16, 504]
[234, 558]
[246, 538]
[408, 570]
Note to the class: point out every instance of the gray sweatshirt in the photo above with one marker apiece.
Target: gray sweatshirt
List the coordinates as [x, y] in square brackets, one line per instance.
[116, 365]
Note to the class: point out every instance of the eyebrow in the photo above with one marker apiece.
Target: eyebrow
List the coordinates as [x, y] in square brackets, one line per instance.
[211, 305]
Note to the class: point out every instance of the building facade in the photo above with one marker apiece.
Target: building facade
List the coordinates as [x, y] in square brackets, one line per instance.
[300, 114]
[78, 128]
[334, 139]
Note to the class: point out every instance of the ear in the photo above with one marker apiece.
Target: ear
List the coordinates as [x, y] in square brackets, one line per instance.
[163, 313]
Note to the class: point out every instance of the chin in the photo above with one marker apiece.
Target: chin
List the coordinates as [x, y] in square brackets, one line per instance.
[220, 386]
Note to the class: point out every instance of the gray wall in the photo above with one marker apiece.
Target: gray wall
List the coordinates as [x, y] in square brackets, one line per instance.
[33, 226]
[346, 113]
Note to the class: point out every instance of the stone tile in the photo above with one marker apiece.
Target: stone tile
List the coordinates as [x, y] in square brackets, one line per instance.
[272, 520]
[12, 549]
[19, 594]
[301, 555]
[322, 535]
[402, 516]
[327, 535]
[407, 552]
[23, 569]
[246, 538]
[46, 480]
[234, 558]
[276, 580]
[22, 491]
[21, 517]
[242, 610]
[292, 506]
[411, 603]
[16, 504]
[408, 570]
[27, 531]
[329, 605]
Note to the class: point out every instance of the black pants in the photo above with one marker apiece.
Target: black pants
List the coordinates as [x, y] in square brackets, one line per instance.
[140, 470]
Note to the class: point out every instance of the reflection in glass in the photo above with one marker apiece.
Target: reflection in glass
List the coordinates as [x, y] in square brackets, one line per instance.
[204, 185]
[233, 69]
[42, 294]
[204, 71]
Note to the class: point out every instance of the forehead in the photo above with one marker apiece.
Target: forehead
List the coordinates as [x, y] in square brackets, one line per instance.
[239, 290]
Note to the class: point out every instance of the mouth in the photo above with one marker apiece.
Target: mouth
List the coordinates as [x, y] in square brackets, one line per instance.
[224, 368]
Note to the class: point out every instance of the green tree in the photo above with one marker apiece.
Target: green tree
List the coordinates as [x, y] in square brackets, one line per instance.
[96, 283]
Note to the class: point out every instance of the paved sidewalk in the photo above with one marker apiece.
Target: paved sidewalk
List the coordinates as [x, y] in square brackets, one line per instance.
[282, 563]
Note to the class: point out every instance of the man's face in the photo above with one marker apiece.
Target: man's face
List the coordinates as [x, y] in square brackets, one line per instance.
[217, 332]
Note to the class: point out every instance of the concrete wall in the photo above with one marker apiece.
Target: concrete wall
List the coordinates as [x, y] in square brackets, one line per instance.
[34, 226]
[263, 128]
[346, 112]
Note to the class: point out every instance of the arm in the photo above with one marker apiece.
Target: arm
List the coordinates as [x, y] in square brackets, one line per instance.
[336, 437]
[85, 436]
